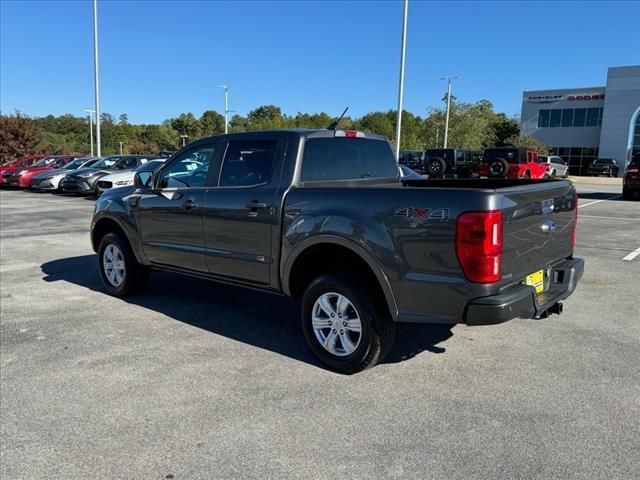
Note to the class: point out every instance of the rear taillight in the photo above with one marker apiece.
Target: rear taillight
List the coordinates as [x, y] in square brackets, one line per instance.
[479, 245]
[632, 170]
[575, 221]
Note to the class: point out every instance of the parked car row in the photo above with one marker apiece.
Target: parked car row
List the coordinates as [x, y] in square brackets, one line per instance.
[80, 175]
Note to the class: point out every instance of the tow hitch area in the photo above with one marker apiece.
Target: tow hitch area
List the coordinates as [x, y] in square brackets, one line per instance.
[556, 308]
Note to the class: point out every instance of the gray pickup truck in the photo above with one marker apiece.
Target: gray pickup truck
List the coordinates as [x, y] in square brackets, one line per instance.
[324, 216]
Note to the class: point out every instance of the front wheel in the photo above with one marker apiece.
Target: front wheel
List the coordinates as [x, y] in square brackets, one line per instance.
[527, 175]
[120, 272]
[346, 327]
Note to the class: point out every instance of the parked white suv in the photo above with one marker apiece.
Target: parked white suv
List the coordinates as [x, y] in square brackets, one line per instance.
[556, 166]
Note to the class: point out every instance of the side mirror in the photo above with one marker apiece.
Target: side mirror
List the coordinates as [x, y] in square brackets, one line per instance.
[142, 179]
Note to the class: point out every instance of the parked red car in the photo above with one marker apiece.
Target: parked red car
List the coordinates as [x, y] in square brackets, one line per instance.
[19, 164]
[511, 162]
[631, 180]
[22, 177]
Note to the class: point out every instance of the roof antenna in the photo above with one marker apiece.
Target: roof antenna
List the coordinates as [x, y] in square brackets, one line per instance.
[335, 124]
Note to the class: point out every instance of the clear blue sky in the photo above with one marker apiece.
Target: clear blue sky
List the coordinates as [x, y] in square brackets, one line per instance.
[161, 58]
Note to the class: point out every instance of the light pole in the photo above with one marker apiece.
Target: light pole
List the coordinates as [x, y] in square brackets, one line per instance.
[226, 106]
[449, 79]
[90, 115]
[120, 147]
[96, 74]
[184, 139]
[403, 44]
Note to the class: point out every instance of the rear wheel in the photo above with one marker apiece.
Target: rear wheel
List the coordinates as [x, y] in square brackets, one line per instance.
[553, 174]
[498, 168]
[436, 167]
[120, 272]
[527, 175]
[346, 327]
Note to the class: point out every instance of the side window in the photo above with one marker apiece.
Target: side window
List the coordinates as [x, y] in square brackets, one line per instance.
[189, 169]
[247, 163]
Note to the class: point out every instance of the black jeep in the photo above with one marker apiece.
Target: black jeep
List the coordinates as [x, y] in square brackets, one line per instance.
[451, 162]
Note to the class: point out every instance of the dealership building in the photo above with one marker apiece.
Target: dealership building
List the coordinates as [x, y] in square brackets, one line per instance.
[585, 123]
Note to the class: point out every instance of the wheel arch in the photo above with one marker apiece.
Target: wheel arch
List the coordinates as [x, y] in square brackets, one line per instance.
[308, 260]
[103, 225]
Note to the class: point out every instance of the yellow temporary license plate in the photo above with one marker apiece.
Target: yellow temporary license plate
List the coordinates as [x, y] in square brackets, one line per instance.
[536, 280]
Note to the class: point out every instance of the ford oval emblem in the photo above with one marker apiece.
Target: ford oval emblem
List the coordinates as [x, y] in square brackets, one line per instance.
[548, 226]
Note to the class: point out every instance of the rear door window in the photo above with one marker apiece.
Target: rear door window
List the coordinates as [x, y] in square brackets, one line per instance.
[248, 163]
[347, 159]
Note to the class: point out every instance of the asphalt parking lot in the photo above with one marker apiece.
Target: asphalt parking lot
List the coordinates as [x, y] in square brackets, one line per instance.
[196, 380]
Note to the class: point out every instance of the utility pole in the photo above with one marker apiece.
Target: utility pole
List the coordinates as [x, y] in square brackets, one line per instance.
[120, 147]
[184, 139]
[226, 106]
[403, 44]
[96, 74]
[449, 79]
[90, 115]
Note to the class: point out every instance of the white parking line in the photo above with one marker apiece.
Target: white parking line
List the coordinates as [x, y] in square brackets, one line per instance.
[632, 255]
[598, 201]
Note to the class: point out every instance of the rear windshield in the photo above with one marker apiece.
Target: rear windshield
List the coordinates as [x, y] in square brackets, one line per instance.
[604, 161]
[511, 155]
[347, 159]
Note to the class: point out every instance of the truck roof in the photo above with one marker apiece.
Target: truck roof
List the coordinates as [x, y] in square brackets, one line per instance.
[302, 132]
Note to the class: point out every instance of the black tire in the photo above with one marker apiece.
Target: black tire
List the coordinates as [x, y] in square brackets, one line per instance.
[498, 168]
[377, 327]
[627, 194]
[553, 174]
[135, 275]
[436, 167]
[527, 175]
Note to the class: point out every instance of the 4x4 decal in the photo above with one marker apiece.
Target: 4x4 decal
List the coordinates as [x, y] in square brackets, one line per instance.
[427, 213]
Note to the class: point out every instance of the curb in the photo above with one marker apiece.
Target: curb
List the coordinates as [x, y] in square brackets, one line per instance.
[596, 180]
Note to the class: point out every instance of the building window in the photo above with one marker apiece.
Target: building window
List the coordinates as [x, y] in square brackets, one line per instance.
[592, 117]
[554, 118]
[567, 117]
[577, 158]
[600, 116]
[579, 117]
[543, 118]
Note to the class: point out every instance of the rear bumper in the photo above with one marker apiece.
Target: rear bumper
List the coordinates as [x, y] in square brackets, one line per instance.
[522, 301]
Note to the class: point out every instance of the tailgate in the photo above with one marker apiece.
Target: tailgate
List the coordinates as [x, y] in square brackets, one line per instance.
[538, 224]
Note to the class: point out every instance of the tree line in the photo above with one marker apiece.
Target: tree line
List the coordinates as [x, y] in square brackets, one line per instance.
[471, 125]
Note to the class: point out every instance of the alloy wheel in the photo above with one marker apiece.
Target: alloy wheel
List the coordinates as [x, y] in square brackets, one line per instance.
[113, 264]
[336, 324]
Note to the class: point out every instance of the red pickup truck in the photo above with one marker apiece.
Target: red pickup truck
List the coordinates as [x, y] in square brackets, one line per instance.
[511, 162]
